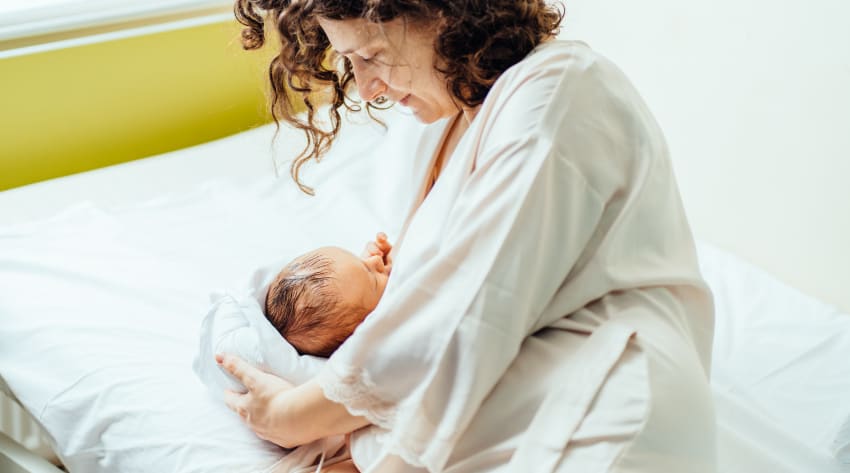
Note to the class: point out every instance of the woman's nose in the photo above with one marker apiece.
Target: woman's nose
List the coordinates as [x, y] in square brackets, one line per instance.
[372, 89]
[369, 85]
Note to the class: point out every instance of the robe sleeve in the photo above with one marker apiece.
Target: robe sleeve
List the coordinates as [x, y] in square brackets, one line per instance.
[423, 362]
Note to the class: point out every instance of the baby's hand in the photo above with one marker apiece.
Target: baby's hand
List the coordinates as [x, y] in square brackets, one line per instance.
[383, 243]
[380, 247]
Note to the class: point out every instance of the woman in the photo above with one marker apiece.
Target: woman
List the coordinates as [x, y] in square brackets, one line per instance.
[546, 311]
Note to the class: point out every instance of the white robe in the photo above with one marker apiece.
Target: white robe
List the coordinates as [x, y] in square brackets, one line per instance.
[545, 307]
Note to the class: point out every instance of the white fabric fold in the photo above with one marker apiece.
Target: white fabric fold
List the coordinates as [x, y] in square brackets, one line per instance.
[236, 324]
[841, 444]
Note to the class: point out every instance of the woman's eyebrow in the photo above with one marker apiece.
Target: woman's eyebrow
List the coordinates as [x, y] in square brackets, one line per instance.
[349, 51]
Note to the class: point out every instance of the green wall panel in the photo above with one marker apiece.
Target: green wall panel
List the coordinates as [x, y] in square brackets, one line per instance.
[74, 109]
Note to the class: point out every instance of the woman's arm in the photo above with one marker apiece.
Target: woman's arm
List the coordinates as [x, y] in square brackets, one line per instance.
[285, 415]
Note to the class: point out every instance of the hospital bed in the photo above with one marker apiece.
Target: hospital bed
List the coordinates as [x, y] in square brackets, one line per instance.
[105, 276]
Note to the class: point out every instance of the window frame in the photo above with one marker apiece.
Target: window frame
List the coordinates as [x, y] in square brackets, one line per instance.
[63, 17]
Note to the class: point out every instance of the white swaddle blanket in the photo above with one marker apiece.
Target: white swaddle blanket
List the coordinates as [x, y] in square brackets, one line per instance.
[236, 324]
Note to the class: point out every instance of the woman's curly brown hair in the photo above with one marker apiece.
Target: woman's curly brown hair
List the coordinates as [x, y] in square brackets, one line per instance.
[477, 40]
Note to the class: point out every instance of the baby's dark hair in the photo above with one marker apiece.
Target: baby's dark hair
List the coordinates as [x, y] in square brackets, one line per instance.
[305, 308]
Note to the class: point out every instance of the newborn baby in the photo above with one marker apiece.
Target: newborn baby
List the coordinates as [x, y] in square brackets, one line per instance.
[319, 298]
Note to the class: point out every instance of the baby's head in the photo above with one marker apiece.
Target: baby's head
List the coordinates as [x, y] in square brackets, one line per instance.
[320, 297]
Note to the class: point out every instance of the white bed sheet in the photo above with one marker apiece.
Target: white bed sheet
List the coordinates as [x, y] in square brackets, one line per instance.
[780, 374]
[104, 278]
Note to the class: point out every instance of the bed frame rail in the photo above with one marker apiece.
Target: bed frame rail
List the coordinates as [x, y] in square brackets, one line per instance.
[15, 458]
[17, 429]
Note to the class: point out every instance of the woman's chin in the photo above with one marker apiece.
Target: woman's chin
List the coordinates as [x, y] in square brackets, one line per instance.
[425, 121]
[425, 116]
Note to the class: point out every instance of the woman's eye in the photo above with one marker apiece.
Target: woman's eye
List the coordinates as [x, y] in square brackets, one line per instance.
[373, 60]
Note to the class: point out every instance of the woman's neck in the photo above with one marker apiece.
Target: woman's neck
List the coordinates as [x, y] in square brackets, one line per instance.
[469, 114]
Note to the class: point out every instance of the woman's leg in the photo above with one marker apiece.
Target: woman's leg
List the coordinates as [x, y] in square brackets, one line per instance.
[652, 410]
[615, 416]
[622, 403]
[346, 466]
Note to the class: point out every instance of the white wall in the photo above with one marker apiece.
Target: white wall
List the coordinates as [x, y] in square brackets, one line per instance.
[754, 97]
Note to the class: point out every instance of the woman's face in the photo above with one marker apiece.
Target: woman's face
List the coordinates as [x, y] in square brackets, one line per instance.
[396, 60]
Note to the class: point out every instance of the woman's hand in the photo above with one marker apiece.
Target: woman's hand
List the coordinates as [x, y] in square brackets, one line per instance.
[280, 413]
[260, 406]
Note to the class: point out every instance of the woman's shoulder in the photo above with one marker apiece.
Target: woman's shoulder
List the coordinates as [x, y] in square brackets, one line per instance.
[564, 51]
[555, 58]
[558, 81]
[579, 106]
[555, 70]
[548, 80]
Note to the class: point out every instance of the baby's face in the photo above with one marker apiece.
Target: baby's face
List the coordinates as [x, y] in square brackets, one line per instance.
[361, 280]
